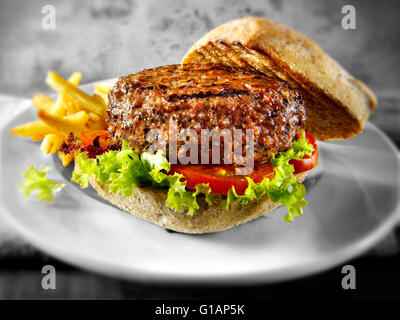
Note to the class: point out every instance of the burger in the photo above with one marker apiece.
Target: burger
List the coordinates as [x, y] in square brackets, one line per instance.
[226, 136]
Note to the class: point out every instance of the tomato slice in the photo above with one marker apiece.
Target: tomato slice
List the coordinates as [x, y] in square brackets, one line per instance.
[308, 162]
[88, 138]
[221, 178]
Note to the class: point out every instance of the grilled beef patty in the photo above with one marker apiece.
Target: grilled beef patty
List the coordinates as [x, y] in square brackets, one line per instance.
[206, 97]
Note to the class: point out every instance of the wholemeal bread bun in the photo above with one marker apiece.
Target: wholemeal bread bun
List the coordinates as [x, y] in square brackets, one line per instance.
[337, 104]
[148, 203]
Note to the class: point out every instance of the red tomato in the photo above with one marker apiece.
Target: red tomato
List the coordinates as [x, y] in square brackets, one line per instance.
[88, 137]
[308, 162]
[220, 178]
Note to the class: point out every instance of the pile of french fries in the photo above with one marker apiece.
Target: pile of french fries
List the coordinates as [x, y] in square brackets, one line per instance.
[74, 111]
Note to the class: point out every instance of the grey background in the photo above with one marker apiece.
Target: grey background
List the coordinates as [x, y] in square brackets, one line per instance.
[104, 39]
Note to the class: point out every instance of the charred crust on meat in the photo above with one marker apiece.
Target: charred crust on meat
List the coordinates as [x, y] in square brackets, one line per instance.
[206, 97]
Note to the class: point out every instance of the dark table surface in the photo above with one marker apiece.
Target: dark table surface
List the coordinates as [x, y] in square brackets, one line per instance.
[20, 278]
[106, 39]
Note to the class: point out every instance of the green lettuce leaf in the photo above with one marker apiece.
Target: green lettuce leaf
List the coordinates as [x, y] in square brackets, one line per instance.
[283, 188]
[87, 167]
[210, 198]
[125, 169]
[35, 180]
[179, 197]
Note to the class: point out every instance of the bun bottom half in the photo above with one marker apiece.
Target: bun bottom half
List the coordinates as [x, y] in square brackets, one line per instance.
[148, 203]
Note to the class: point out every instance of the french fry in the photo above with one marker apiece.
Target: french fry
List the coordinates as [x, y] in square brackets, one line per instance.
[59, 108]
[52, 143]
[102, 88]
[97, 125]
[65, 158]
[73, 111]
[43, 102]
[75, 78]
[65, 126]
[39, 137]
[79, 118]
[102, 99]
[72, 93]
[33, 129]
[69, 106]
[102, 91]
[94, 117]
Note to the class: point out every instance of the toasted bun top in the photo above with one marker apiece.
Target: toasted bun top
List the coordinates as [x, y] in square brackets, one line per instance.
[338, 105]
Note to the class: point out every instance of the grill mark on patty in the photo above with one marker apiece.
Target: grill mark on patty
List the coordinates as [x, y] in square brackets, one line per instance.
[207, 94]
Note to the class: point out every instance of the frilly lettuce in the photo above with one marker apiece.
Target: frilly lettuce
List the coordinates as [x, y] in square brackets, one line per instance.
[123, 170]
[35, 180]
[283, 188]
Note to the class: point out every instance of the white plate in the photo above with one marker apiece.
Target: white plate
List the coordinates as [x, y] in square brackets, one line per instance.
[353, 199]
